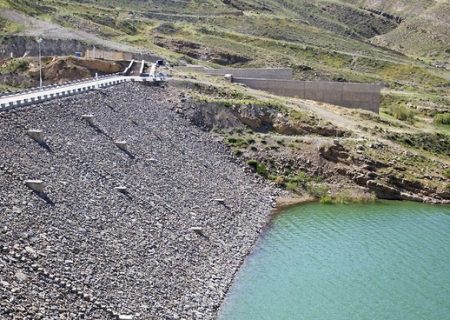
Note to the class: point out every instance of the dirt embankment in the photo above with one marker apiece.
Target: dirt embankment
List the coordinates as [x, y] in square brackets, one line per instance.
[69, 68]
[24, 72]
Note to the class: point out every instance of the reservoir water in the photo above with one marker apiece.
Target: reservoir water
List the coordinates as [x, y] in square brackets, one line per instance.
[386, 261]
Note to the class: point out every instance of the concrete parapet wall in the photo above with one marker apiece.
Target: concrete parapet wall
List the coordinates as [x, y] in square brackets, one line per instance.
[259, 73]
[346, 94]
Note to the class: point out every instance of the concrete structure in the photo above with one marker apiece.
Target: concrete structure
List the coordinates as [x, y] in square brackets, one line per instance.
[108, 55]
[89, 118]
[35, 185]
[121, 189]
[121, 144]
[346, 94]
[259, 73]
[36, 135]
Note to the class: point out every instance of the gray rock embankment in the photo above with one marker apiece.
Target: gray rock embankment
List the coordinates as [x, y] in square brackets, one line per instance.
[167, 247]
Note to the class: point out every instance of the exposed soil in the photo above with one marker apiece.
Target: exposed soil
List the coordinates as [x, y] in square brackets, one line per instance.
[58, 70]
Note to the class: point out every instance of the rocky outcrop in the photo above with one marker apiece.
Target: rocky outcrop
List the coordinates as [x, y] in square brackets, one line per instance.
[383, 191]
[259, 118]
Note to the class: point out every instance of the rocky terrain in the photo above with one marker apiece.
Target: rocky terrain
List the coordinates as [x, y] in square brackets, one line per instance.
[155, 229]
[323, 154]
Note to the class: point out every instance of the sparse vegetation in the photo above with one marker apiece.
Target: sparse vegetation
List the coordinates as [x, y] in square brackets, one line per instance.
[317, 43]
[402, 113]
[442, 118]
[259, 168]
[14, 66]
[317, 190]
[447, 173]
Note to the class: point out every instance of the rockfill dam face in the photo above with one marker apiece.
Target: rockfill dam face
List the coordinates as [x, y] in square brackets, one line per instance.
[132, 230]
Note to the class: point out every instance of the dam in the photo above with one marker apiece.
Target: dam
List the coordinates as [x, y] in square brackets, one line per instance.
[112, 206]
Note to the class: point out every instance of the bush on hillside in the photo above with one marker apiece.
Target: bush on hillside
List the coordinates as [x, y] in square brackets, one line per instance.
[442, 118]
[317, 190]
[402, 113]
[447, 173]
[259, 168]
[14, 66]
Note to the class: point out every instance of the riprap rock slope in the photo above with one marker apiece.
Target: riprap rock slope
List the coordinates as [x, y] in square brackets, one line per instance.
[83, 249]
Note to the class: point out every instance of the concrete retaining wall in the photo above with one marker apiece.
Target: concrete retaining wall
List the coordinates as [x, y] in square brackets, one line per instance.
[108, 55]
[346, 94]
[259, 73]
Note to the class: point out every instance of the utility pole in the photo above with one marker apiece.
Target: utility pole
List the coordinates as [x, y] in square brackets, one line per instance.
[39, 40]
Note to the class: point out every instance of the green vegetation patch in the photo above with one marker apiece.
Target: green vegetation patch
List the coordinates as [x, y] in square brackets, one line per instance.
[14, 66]
[412, 73]
[259, 168]
[431, 142]
[30, 7]
[402, 112]
[442, 118]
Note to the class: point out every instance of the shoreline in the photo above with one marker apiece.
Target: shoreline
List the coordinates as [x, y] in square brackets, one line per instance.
[282, 203]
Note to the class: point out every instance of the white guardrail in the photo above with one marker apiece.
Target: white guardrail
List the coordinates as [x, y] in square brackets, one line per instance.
[47, 93]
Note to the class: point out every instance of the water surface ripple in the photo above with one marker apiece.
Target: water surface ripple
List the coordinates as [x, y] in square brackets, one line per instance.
[390, 260]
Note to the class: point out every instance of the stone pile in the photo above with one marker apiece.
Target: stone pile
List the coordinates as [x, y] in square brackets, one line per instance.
[133, 232]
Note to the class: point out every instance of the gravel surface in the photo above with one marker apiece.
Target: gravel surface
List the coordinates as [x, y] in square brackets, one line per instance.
[85, 250]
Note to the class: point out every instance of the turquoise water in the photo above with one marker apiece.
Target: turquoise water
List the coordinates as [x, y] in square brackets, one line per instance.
[390, 260]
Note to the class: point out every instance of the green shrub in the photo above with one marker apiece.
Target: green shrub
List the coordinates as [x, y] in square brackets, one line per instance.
[442, 118]
[262, 170]
[303, 179]
[326, 199]
[291, 186]
[259, 168]
[403, 113]
[279, 181]
[14, 65]
[252, 163]
[317, 190]
[447, 173]
[237, 142]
